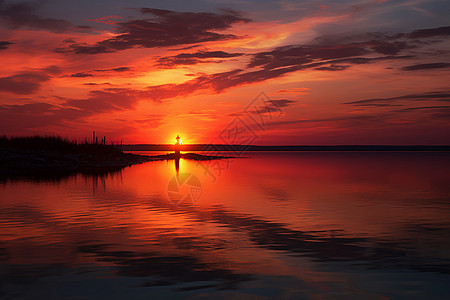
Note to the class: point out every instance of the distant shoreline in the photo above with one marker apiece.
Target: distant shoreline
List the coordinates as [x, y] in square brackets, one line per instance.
[241, 148]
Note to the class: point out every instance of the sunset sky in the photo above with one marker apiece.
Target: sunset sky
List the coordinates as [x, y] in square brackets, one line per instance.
[337, 72]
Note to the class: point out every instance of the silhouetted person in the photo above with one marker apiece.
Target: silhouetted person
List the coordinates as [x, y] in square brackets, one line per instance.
[177, 146]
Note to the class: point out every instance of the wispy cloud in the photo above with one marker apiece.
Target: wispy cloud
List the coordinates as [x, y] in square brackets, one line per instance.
[94, 73]
[429, 96]
[426, 66]
[194, 58]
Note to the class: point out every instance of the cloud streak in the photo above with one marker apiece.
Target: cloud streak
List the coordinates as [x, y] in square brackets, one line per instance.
[426, 66]
[429, 32]
[194, 58]
[94, 73]
[429, 96]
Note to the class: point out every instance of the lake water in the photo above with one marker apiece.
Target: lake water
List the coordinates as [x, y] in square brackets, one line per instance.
[305, 225]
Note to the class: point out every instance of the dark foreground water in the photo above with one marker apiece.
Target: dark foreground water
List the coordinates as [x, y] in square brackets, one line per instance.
[276, 225]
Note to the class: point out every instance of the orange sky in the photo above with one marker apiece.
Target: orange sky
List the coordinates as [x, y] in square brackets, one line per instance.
[356, 72]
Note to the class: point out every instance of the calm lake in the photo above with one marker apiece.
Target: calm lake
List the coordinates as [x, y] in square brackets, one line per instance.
[273, 225]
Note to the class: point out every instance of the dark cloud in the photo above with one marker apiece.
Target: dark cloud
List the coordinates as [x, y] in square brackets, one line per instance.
[194, 58]
[389, 48]
[271, 106]
[84, 49]
[426, 66]
[187, 47]
[368, 60]
[94, 83]
[424, 108]
[82, 75]
[5, 45]
[23, 14]
[208, 54]
[438, 112]
[313, 55]
[25, 83]
[282, 102]
[431, 32]
[92, 73]
[430, 96]
[276, 67]
[238, 77]
[163, 28]
[119, 69]
[333, 67]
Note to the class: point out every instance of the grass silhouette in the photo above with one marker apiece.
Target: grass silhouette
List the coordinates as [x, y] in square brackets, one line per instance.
[55, 144]
[39, 154]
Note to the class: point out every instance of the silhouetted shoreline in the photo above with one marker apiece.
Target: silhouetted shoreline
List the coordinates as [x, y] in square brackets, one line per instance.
[39, 155]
